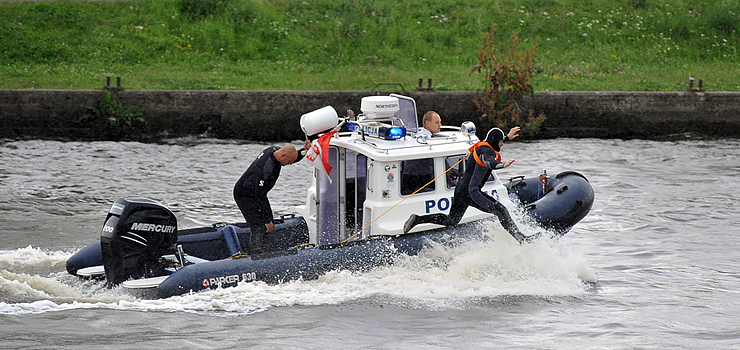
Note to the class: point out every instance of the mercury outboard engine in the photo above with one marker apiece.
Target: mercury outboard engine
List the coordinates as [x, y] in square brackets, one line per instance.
[137, 232]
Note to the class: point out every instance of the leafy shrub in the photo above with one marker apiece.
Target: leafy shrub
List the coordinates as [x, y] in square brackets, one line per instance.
[110, 120]
[508, 73]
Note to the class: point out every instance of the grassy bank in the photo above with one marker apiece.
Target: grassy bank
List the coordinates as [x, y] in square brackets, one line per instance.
[623, 45]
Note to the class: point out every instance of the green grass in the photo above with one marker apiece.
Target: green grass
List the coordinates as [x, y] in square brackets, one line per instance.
[622, 45]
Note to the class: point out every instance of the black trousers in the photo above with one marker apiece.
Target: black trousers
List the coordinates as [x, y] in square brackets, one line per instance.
[255, 212]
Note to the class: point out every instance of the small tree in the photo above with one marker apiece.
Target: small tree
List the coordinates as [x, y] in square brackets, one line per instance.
[110, 120]
[507, 72]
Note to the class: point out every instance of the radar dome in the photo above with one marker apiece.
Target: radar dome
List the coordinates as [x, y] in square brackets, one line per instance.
[379, 107]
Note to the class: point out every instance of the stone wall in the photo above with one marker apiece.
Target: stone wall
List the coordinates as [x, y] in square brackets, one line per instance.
[274, 115]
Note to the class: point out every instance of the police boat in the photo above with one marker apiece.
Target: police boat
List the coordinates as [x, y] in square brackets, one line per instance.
[353, 215]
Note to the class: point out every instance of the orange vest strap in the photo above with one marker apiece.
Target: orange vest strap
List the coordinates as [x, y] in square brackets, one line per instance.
[475, 152]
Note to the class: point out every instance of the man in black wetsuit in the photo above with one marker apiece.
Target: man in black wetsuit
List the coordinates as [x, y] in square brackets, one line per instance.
[484, 158]
[250, 192]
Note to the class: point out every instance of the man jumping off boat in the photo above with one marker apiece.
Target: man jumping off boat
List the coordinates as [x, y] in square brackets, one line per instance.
[250, 192]
[484, 158]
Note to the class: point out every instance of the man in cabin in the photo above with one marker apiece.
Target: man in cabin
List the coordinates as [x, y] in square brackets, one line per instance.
[484, 158]
[432, 124]
[417, 173]
[250, 192]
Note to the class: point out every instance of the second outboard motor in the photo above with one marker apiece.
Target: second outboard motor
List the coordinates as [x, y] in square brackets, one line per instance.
[136, 233]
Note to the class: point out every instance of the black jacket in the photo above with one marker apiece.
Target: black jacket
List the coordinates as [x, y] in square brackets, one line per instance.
[250, 192]
[475, 176]
[261, 176]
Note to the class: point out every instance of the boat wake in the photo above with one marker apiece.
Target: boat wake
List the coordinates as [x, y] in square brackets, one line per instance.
[462, 275]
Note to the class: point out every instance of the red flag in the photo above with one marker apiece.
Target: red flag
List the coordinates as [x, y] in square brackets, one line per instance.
[319, 153]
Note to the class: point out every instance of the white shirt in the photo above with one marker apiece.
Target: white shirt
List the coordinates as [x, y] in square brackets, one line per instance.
[423, 132]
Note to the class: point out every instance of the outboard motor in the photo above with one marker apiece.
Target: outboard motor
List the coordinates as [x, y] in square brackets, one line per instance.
[137, 232]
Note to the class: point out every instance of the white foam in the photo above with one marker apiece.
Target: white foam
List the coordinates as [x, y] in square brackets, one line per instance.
[29, 258]
[32, 287]
[449, 277]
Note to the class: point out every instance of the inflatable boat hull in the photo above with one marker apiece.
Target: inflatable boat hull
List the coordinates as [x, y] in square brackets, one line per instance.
[565, 200]
[208, 242]
[558, 206]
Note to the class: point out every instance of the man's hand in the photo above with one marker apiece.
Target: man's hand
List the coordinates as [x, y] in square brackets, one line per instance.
[513, 133]
[270, 226]
[507, 164]
[307, 144]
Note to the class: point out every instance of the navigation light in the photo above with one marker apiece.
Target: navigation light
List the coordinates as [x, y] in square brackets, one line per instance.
[467, 128]
[392, 133]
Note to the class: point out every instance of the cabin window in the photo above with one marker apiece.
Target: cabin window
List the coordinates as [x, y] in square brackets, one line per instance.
[328, 223]
[355, 186]
[415, 174]
[456, 171]
[492, 177]
[350, 189]
[360, 190]
[406, 115]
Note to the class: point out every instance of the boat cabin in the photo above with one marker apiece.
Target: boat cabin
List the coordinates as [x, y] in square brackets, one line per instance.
[382, 173]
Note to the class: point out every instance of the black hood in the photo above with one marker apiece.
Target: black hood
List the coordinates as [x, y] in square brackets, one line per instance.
[493, 137]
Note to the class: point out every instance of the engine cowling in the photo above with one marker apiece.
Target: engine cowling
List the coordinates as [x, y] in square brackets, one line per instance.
[136, 233]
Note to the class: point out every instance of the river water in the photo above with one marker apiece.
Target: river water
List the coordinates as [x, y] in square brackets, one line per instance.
[655, 264]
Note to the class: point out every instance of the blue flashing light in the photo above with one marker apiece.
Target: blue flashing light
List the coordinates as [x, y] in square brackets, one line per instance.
[392, 133]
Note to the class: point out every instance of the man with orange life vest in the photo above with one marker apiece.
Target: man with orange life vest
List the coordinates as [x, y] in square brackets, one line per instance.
[484, 158]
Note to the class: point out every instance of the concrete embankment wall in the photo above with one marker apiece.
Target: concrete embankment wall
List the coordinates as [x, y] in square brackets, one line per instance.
[274, 115]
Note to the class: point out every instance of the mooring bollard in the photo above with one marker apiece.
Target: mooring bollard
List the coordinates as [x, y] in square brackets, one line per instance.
[421, 88]
[118, 86]
[692, 88]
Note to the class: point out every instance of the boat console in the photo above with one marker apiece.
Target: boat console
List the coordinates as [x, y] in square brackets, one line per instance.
[380, 169]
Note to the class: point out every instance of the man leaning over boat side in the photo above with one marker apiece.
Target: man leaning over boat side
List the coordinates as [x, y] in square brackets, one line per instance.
[250, 192]
[484, 158]
[432, 124]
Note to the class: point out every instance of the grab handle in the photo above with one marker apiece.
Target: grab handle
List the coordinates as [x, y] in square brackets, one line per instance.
[368, 181]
